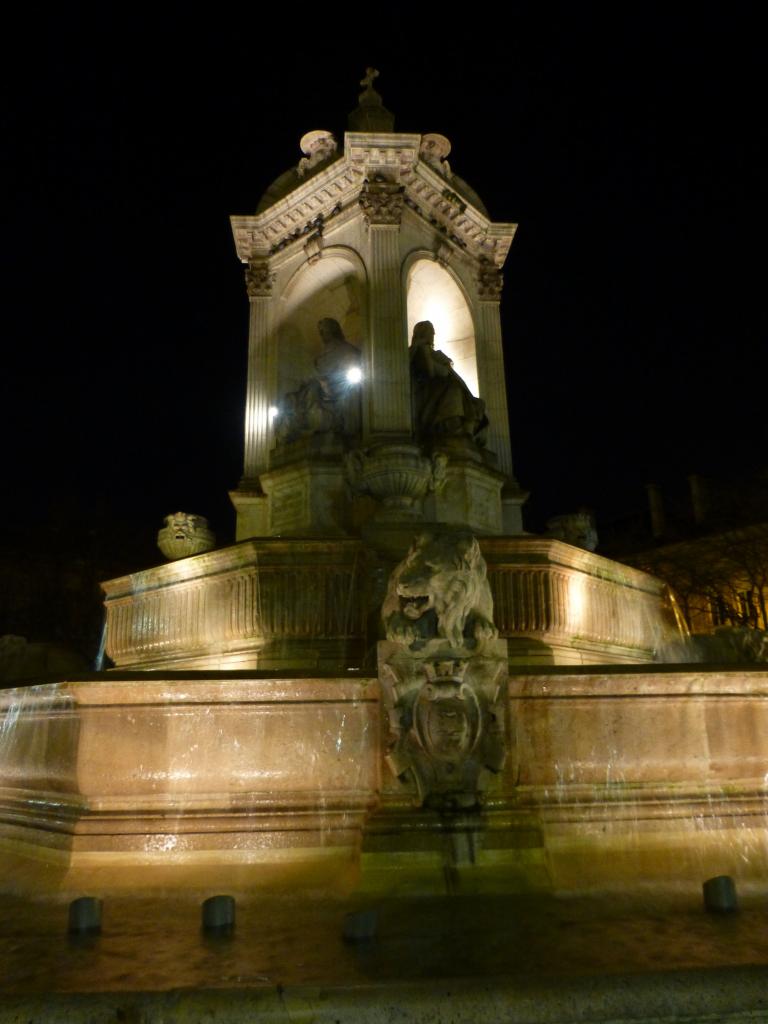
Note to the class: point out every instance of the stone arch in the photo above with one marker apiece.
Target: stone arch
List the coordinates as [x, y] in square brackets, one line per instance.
[435, 293]
[333, 286]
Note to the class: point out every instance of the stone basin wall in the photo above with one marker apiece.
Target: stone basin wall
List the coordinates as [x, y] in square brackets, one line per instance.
[138, 781]
[146, 780]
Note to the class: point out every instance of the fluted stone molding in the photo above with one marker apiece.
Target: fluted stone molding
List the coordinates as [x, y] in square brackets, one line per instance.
[237, 600]
[491, 382]
[389, 401]
[257, 428]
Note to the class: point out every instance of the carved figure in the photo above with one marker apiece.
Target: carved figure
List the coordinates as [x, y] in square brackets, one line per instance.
[184, 535]
[330, 401]
[440, 591]
[577, 528]
[443, 404]
[433, 150]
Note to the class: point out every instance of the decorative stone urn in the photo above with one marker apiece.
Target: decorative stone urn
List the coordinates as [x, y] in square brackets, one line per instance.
[397, 475]
[185, 534]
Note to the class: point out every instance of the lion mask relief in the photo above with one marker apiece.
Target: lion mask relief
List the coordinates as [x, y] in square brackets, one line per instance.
[440, 591]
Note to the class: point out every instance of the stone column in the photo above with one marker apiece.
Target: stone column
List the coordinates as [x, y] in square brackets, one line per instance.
[490, 366]
[388, 391]
[258, 280]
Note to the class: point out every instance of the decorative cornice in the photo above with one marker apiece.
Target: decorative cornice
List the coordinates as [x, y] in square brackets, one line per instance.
[388, 162]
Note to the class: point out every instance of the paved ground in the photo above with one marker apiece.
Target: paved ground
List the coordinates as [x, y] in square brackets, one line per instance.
[157, 945]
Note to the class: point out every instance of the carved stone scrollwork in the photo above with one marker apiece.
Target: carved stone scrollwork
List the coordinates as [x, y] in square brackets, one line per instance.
[258, 279]
[443, 673]
[382, 202]
[490, 281]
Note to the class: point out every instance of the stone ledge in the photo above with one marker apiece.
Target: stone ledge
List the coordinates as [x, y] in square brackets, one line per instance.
[737, 995]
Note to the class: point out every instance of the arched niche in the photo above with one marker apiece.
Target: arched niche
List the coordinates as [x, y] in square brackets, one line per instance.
[333, 286]
[433, 294]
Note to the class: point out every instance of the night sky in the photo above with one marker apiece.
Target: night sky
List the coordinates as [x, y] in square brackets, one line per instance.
[629, 149]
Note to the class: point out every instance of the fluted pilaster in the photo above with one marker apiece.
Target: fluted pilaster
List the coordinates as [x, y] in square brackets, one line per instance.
[490, 370]
[259, 285]
[389, 400]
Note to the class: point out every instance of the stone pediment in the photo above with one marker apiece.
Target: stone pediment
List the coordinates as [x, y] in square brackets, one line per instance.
[433, 199]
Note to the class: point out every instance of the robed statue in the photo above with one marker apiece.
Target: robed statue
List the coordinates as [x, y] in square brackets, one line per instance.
[443, 405]
[329, 402]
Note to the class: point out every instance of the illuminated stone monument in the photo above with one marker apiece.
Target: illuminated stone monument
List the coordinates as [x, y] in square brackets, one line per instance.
[385, 681]
[346, 256]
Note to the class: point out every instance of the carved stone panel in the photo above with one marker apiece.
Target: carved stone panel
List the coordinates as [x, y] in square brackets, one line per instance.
[443, 672]
[382, 202]
[446, 721]
[258, 279]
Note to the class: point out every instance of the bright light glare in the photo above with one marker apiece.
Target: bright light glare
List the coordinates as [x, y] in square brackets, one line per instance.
[441, 320]
[273, 411]
[354, 375]
[578, 599]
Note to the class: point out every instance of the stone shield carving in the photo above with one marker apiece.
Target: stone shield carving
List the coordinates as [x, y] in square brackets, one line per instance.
[446, 723]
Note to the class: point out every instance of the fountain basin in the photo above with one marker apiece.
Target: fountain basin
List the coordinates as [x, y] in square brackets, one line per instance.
[143, 782]
[623, 776]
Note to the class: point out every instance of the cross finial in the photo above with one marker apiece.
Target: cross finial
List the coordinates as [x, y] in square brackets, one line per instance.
[370, 75]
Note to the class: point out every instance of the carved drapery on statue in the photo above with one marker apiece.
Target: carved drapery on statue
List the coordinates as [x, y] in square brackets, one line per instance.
[329, 402]
[443, 405]
[443, 672]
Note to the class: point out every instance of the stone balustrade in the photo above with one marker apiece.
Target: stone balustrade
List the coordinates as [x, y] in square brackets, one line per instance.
[584, 607]
[307, 604]
[252, 605]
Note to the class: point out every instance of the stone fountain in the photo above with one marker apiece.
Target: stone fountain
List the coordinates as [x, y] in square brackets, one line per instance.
[385, 684]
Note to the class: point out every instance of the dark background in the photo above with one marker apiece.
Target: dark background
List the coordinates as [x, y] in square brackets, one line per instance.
[628, 146]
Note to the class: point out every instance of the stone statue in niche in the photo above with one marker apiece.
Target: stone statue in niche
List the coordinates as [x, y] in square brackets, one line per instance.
[443, 405]
[330, 401]
[443, 672]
